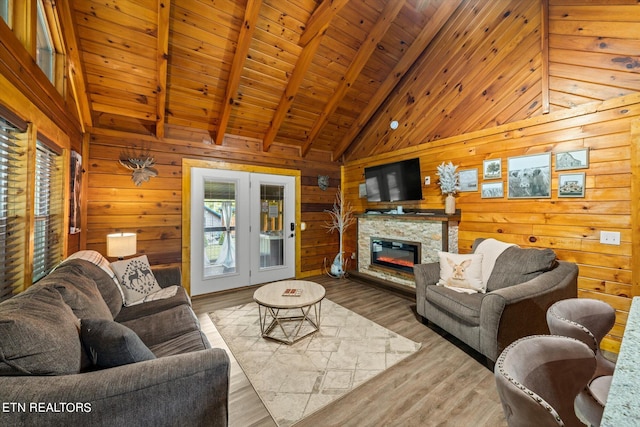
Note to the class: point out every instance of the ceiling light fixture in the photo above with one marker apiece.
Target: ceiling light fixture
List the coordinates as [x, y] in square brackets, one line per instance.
[394, 124]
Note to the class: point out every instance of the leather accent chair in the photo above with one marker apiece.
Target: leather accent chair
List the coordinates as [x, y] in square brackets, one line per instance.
[538, 378]
[587, 320]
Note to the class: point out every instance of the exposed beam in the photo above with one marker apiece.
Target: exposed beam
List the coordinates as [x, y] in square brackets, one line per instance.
[367, 48]
[544, 23]
[164, 8]
[242, 48]
[317, 26]
[76, 71]
[421, 42]
[321, 17]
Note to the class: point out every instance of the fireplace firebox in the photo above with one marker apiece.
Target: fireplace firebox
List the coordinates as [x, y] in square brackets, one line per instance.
[395, 254]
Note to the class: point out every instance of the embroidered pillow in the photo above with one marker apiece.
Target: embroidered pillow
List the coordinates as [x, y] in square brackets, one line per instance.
[461, 272]
[136, 279]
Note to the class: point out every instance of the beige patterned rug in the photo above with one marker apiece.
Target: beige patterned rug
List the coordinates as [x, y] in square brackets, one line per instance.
[296, 380]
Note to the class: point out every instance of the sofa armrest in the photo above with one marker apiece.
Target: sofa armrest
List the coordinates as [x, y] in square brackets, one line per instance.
[167, 276]
[424, 275]
[185, 389]
[511, 313]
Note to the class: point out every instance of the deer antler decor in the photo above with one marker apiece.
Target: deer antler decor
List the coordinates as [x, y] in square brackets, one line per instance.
[141, 164]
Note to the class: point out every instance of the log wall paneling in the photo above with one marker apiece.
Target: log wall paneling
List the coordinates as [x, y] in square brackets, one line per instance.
[570, 226]
[154, 211]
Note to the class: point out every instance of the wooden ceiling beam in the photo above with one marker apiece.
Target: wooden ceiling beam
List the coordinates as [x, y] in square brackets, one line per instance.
[242, 49]
[365, 51]
[421, 42]
[164, 8]
[317, 26]
[76, 70]
[321, 17]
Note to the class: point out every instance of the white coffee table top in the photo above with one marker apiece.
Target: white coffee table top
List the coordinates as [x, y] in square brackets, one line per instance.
[270, 295]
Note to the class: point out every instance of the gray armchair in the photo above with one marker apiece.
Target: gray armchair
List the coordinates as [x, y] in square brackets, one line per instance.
[524, 283]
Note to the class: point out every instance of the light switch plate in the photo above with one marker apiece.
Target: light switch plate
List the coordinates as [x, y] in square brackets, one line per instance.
[427, 180]
[610, 237]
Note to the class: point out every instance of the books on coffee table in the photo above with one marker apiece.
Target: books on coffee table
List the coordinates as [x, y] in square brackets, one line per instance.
[292, 292]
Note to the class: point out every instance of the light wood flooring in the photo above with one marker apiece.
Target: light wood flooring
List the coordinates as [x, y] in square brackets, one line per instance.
[441, 385]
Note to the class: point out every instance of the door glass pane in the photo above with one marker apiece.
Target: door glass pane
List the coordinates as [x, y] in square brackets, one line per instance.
[219, 227]
[272, 228]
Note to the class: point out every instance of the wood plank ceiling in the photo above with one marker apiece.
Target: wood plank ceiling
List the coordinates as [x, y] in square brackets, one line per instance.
[306, 73]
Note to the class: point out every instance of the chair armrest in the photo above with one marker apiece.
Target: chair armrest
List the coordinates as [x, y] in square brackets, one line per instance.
[185, 389]
[511, 313]
[425, 274]
[167, 276]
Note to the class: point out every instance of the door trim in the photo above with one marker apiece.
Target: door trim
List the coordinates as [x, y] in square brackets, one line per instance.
[187, 164]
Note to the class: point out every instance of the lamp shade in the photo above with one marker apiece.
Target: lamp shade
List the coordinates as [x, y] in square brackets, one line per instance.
[121, 244]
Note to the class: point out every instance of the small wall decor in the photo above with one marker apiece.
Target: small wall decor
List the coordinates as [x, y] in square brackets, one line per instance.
[576, 159]
[140, 163]
[529, 176]
[323, 182]
[571, 184]
[492, 190]
[492, 169]
[468, 180]
[76, 191]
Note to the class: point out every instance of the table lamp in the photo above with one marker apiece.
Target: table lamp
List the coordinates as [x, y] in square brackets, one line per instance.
[121, 245]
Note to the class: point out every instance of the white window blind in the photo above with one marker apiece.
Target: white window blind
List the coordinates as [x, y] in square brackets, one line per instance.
[13, 141]
[48, 211]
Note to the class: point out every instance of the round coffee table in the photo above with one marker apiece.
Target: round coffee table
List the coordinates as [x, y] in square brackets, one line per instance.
[278, 305]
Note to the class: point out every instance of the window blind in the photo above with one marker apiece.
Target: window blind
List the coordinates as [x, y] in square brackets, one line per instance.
[47, 250]
[13, 142]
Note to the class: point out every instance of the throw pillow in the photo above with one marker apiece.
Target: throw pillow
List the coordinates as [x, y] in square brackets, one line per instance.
[136, 279]
[519, 265]
[461, 272]
[111, 344]
[38, 334]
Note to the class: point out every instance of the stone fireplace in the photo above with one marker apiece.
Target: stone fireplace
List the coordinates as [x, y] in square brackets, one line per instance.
[429, 232]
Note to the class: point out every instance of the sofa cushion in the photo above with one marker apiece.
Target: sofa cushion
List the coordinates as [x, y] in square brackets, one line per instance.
[461, 273]
[518, 265]
[185, 343]
[110, 344]
[163, 326]
[79, 291]
[39, 334]
[155, 306]
[461, 305]
[136, 279]
[107, 284]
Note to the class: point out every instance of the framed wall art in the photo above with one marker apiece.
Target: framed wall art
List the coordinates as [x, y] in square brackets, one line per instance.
[468, 180]
[571, 184]
[492, 190]
[576, 159]
[529, 177]
[492, 169]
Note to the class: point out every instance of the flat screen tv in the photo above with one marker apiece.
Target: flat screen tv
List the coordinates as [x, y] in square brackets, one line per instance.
[394, 182]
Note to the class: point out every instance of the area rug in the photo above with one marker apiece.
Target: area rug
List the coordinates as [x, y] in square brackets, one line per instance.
[296, 380]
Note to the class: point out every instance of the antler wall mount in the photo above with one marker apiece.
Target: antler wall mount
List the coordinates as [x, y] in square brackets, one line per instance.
[141, 163]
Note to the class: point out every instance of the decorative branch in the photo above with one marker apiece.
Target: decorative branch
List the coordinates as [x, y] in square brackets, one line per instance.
[341, 218]
[448, 178]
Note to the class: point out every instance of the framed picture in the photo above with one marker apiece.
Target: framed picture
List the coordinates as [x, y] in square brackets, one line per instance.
[492, 190]
[468, 180]
[529, 177]
[571, 184]
[576, 159]
[492, 169]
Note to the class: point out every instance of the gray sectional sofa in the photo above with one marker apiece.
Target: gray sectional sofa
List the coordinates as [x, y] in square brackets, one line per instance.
[524, 283]
[72, 354]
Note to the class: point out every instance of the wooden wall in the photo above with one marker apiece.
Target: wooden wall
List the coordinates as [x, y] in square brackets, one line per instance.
[570, 226]
[153, 210]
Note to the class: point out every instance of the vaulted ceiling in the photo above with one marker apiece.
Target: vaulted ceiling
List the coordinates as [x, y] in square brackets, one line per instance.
[315, 74]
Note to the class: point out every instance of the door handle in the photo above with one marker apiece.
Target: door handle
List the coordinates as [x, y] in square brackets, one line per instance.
[292, 226]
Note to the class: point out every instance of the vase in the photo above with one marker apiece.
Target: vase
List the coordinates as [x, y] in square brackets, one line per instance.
[450, 204]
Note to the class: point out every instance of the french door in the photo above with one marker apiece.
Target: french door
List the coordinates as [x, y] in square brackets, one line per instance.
[242, 229]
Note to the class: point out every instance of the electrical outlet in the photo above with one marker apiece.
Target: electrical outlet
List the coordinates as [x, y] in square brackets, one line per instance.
[427, 180]
[610, 237]
[353, 255]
